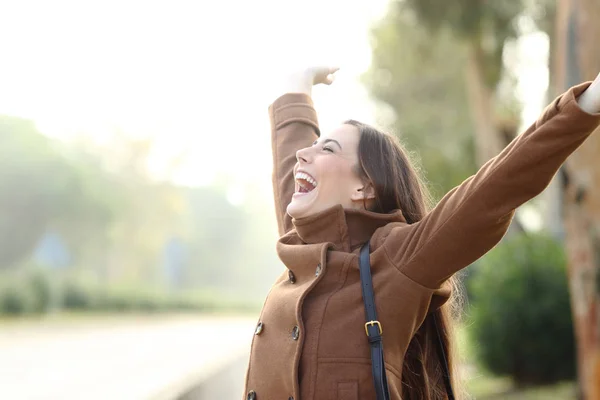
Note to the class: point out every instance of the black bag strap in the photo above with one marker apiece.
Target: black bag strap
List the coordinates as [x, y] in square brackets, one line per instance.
[373, 326]
[374, 331]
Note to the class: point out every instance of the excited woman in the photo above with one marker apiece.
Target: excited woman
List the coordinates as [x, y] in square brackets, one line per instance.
[335, 192]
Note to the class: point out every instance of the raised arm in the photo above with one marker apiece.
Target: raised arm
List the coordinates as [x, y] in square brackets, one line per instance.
[474, 216]
[294, 126]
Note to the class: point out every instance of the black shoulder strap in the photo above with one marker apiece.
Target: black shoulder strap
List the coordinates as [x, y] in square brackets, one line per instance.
[374, 331]
[373, 326]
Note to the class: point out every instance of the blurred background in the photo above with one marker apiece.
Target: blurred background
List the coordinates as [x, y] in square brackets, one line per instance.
[135, 195]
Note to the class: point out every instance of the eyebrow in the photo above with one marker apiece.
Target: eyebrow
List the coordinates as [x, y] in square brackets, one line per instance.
[329, 140]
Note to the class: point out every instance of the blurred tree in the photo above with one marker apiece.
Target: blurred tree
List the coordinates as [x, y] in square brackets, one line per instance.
[482, 28]
[485, 27]
[27, 196]
[39, 187]
[93, 201]
[216, 230]
[578, 59]
[439, 66]
[150, 214]
[429, 103]
[116, 224]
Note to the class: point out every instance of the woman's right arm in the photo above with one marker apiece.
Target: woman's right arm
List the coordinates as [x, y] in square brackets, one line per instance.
[474, 216]
[294, 126]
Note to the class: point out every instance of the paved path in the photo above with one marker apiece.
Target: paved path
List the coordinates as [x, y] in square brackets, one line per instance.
[125, 358]
[226, 384]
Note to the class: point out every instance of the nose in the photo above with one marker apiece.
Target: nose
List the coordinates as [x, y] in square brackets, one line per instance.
[303, 155]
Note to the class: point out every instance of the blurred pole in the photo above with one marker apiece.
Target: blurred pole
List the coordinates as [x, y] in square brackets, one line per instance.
[578, 59]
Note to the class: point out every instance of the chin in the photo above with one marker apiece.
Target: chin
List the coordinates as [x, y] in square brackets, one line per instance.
[297, 211]
[303, 205]
[298, 208]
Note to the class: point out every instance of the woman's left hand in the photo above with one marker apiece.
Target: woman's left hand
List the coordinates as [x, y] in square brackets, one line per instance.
[589, 101]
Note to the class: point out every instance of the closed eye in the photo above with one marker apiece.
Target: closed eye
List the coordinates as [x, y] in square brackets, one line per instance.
[328, 149]
[328, 141]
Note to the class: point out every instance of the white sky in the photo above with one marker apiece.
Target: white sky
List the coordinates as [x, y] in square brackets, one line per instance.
[197, 76]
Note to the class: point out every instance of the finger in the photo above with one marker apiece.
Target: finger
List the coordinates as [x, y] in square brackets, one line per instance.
[329, 79]
[324, 70]
[328, 70]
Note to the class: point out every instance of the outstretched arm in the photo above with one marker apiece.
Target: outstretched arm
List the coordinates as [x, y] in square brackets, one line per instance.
[294, 126]
[474, 216]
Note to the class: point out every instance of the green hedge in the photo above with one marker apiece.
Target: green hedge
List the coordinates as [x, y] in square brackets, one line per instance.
[37, 291]
[521, 312]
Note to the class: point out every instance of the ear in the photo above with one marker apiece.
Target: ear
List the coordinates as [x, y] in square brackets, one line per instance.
[363, 192]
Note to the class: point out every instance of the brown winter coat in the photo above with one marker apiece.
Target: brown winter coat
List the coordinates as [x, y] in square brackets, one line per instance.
[310, 343]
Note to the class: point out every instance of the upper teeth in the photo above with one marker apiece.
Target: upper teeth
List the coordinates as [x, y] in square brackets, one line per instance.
[306, 177]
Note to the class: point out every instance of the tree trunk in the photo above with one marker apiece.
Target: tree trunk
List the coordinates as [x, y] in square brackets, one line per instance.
[481, 99]
[553, 195]
[578, 59]
[489, 139]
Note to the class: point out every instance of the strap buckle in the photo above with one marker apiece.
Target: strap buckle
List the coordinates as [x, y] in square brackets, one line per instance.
[373, 323]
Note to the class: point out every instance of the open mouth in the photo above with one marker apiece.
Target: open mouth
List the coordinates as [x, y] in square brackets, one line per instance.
[305, 183]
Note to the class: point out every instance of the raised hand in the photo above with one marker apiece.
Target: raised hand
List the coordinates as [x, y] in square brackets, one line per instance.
[589, 101]
[302, 81]
[323, 75]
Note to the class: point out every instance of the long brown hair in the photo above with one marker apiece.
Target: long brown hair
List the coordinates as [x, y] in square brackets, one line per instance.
[398, 184]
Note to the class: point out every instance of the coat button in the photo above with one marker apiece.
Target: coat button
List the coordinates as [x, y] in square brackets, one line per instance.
[318, 270]
[259, 328]
[295, 333]
[291, 276]
[251, 395]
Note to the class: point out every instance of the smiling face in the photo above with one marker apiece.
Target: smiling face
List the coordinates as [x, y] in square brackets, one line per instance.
[327, 174]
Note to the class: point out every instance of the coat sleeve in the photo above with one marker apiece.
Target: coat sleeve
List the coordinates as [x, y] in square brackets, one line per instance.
[294, 126]
[474, 216]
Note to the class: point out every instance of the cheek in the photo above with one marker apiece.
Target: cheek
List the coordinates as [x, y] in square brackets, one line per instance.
[336, 172]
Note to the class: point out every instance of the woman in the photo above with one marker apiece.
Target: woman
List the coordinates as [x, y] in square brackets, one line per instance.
[336, 191]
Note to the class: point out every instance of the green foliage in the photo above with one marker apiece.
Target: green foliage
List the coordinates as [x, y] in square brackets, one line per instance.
[487, 25]
[42, 289]
[215, 225]
[421, 52]
[27, 196]
[521, 311]
[24, 292]
[76, 296]
[468, 17]
[116, 225]
[420, 75]
[15, 301]
[33, 292]
[40, 187]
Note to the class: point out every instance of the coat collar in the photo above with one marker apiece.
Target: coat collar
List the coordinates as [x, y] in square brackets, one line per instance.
[345, 228]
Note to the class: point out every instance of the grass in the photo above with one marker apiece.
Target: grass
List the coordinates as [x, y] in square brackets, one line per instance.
[481, 385]
[488, 388]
